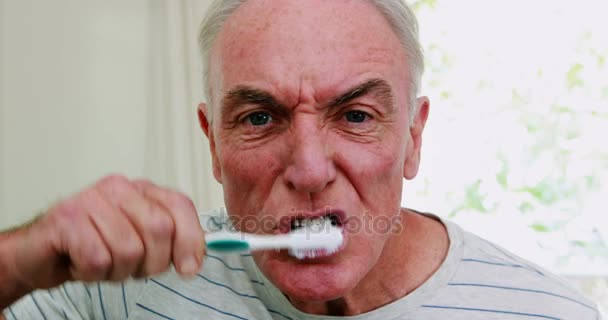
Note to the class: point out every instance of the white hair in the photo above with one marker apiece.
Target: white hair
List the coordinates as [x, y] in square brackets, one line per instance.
[397, 13]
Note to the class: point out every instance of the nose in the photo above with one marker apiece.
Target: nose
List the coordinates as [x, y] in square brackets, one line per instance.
[311, 168]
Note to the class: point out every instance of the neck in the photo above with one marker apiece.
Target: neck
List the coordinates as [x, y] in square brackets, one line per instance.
[418, 250]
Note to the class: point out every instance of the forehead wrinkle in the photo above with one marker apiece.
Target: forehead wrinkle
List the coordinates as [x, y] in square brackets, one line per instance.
[261, 46]
[379, 88]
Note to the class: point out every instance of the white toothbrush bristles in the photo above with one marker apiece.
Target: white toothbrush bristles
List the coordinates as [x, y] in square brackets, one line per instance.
[316, 238]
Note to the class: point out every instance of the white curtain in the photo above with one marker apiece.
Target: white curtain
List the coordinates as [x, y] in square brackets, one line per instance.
[183, 159]
[89, 88]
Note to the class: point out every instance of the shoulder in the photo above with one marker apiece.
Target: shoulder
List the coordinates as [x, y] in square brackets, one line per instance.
[215, 220]
[498, 280]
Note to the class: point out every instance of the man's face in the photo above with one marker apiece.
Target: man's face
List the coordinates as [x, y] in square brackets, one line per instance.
[313, 120]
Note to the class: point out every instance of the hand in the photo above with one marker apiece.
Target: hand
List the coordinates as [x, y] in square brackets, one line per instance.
[113, 230]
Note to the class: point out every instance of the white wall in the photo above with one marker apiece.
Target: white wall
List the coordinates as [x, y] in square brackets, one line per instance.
[89, 88]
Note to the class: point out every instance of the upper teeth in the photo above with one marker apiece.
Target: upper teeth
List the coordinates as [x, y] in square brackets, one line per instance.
[316, 224]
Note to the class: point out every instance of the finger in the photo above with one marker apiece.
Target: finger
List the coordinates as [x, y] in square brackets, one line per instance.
[156, 229]
[153, 225]
[89, 257]
[119, 235]
[188, 244]
[78, 249]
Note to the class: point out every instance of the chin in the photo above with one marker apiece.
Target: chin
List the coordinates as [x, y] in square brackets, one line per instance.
[314, 280]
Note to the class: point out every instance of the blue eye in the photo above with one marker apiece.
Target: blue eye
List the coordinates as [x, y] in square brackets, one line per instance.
[259, 118]
[356, 116]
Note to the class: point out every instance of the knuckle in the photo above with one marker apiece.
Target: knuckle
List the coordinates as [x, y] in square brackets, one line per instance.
[112, 179]
[66, 212]
[178, 199]
[141, 185]
[132, 252]
[97, 263]
[160, 226]
[113, 182]
[143, 182]
[179, 202]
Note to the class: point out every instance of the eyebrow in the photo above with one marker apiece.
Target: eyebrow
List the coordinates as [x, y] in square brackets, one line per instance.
[242, 95]
[377, 87]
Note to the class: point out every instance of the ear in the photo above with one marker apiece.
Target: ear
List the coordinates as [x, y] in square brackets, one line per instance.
[208, 130]
[414, 143]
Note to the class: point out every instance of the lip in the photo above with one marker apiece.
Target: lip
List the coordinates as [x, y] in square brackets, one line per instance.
[285, 222]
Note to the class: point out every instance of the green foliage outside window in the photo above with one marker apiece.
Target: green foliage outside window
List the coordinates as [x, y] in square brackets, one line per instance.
[518, 127]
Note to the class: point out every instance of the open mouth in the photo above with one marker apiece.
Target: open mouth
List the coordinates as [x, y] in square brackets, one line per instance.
[315, 223]
[321, 236]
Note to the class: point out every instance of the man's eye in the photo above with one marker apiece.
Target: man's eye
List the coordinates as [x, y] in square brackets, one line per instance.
[259, 118]
[356, 116]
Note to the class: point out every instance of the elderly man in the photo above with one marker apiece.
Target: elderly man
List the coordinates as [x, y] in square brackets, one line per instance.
[312, 115]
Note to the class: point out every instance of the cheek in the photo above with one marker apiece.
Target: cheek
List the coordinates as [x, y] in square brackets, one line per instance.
[248, 175]
[374, 163]
[247, 168]
[375, 171]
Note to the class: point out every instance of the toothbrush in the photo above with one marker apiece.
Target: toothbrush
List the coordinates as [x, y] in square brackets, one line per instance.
[302, 243]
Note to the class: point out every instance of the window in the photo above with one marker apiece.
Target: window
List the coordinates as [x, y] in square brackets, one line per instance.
[516, 147]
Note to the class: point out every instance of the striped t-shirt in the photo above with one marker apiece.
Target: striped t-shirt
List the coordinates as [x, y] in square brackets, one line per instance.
[477, 280]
